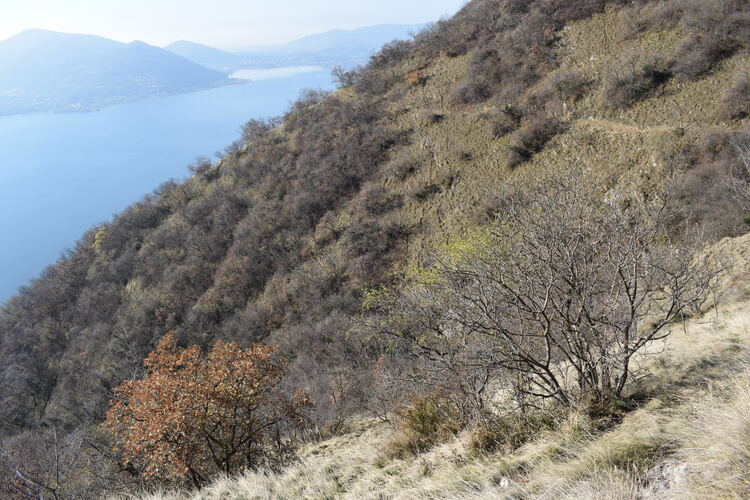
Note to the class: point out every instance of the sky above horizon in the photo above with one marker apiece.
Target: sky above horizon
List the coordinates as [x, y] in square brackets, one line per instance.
[228, 24]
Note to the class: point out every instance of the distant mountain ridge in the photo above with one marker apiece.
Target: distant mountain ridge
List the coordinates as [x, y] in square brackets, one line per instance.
[201, 54]
[369, 37]
[44, 70]
[336, 47]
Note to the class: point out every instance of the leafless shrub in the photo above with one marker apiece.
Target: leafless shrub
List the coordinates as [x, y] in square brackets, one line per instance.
[46, 464]
[345, 78]
[718, 29]
[560, 88]
[739, 183]
[392, 52]
[503, 121]
[404, 165]
[649, 16]
[555, 300]
[704, 172]
[735, 104]
[531, 138]
[472, 92]
[200, 165]
[256, 129]
[632, 80]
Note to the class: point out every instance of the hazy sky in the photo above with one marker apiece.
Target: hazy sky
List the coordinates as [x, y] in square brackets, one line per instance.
[222, 23]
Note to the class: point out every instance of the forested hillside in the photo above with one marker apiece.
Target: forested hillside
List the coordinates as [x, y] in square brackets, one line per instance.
[347, 198]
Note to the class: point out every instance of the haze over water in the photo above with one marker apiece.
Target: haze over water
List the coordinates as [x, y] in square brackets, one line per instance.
[63, 173]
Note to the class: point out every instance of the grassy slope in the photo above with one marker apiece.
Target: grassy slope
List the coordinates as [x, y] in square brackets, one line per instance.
[680, 443]
[691, 439]
[625, 146]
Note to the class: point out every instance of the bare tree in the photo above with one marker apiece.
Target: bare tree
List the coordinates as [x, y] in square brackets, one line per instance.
[559, 294]
[739, 183]
[343, 77]
[449, 359]
[47, 464]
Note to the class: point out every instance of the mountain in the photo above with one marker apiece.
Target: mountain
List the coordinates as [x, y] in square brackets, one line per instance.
[202, 54]
[49, 71]
[360, 39]
[453, 255]
[347, 48]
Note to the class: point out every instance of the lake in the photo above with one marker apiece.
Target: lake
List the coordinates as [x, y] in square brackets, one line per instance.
[62, 173]
[267, 74]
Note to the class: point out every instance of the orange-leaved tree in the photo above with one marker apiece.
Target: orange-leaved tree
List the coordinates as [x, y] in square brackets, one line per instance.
[194, 415]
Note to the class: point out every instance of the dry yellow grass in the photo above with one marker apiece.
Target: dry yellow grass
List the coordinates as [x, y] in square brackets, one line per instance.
[691, 439]
[622, 146]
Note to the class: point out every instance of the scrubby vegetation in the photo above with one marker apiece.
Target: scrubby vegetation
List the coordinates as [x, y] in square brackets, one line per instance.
[195, 416]
[685, 442]
[632, 79]
[552, 302]
[434, 188]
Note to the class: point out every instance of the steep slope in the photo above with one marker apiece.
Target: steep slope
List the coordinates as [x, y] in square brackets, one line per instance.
[281, 240]
[689, 441]
[48, 71]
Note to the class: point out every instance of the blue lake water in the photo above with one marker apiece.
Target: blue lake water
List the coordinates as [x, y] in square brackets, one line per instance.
[266, 74]
[62, 173]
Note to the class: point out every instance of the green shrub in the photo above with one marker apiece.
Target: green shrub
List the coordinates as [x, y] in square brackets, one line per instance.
[429, 421]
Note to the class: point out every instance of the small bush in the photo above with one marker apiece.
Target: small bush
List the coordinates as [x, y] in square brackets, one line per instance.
[423, 192]
[698, 56]
[201, 165]
[429, 421]
[508, 433]
[633, 81]
[703, 193]
[432, 118]
[403, 166]
[461, 154]
[392, 52]
[735, 105]
[377, 201]
[256, 129]
[570, 84]
[656, 16]
[531, 138]
[503, 122]
[717, 30]
[416, 78]
[345, 78]
[472, 92]
[559, 88]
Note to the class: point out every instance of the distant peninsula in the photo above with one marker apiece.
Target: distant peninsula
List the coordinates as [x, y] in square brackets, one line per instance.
[44, 70]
